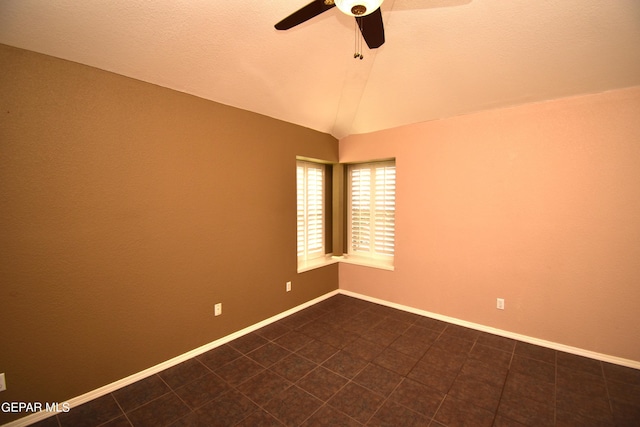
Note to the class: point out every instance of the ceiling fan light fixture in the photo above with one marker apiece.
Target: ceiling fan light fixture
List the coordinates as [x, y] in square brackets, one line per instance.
[358, 7]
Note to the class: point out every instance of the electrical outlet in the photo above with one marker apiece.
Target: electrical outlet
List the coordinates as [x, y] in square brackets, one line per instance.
[217, 309]
[288, 287]
[500, 304]
[3, 384]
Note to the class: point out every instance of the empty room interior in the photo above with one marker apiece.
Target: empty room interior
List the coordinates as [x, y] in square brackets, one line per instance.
[151, 156]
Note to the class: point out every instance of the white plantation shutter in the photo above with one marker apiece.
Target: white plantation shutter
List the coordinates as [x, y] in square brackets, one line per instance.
[372, 206]
[310, 213]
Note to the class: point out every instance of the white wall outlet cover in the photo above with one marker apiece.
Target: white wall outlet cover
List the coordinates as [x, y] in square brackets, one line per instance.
[3, 384]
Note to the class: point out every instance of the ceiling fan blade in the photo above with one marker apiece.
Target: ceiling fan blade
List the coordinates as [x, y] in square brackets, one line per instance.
[372, 29]
[311, 10]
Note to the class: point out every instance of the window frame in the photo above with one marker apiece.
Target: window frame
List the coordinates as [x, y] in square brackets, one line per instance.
[305, 259]
[314, 200]
[376, 252]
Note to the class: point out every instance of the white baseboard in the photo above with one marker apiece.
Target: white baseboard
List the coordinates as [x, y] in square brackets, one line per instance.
[531, 340]
[109, 388]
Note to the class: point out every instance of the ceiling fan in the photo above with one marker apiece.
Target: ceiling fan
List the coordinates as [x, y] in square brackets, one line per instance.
[367, 14]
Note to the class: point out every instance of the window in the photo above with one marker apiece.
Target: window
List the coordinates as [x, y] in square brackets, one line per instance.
[310, 179]
[372, 206]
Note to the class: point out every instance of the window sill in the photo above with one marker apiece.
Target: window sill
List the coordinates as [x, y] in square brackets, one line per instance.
[312, 264]
[368, 262]
[347, 259]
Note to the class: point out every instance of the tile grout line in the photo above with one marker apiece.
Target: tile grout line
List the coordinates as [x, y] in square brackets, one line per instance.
[504, 385]
[121, 409]
[606, 387]
[555, 390]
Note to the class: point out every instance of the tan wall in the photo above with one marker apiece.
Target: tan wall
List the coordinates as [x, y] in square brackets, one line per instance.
[127, 211]
[539, 205]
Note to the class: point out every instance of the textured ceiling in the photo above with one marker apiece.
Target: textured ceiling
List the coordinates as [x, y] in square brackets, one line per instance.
[441, 57]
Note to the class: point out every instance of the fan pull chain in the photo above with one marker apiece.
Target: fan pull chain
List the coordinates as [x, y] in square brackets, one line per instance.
[358, 40]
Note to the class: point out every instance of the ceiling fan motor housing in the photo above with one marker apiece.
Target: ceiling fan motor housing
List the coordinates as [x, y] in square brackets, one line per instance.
[358, 7]
[368, 16]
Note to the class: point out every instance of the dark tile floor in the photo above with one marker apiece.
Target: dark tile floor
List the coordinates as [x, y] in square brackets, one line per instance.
[347, 362]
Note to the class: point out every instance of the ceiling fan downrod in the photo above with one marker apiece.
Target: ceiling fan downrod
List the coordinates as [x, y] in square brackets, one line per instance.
[358, 41]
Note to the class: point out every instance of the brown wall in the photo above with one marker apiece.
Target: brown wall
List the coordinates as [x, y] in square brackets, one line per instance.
[127, 211]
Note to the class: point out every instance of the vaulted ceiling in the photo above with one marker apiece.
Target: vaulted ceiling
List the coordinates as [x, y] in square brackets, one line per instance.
[441, 57]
